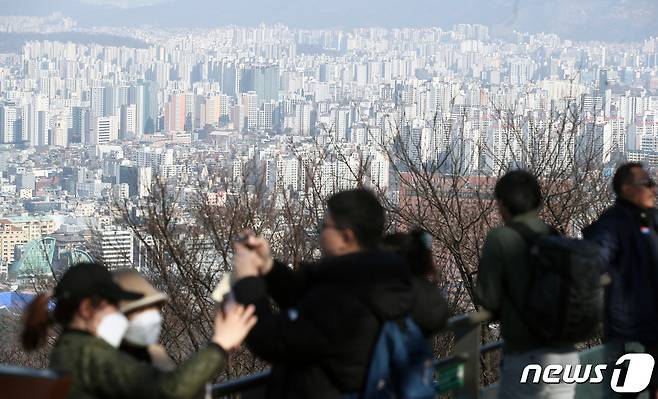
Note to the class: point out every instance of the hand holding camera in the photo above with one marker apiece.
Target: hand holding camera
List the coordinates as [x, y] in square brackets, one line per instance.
[257, 246]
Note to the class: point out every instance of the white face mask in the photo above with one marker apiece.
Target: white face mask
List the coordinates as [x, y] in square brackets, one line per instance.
[112, 328]
[144, 328]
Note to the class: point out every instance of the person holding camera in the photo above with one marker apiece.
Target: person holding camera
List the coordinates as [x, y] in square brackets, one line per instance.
[330, 312]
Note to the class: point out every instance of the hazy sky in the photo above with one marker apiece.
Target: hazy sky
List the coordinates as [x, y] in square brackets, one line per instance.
[616, 20]
[125, 3]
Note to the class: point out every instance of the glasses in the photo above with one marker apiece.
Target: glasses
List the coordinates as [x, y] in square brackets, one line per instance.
[648, 183]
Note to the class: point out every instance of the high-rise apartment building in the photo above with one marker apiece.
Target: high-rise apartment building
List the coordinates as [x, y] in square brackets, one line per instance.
[175, 113]
[80, 125]
[42, 128]
[60, 131]
[128, 122]
[342, 124]
[213, 109]
[37, 121]
[250, 106]
[137, 97]
[263, 79]
[105, 130]
[97, 101]
[265, 116]
[113, 248]
[10, 123]
[151, 109]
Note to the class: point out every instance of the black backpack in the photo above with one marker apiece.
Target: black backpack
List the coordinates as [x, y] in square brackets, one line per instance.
[563, 301]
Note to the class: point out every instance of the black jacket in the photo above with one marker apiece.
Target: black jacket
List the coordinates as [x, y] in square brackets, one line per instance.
[320, 341]
[629, 248]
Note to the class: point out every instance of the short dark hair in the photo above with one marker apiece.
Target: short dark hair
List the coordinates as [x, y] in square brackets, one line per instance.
[359, 210]
[518, 191]
[623, 174]
[416, 246]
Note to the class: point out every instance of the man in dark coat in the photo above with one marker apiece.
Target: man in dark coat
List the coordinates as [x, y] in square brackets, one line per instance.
[321, 340]
[626, 234]
[504, 276]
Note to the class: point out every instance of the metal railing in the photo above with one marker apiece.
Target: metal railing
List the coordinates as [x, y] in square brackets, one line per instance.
[458, 374]
[252, 386]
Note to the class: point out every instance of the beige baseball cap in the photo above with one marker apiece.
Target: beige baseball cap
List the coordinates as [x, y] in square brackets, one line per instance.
[132, 280]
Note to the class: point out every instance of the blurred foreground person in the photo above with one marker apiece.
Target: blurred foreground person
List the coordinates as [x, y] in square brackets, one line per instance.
[324, 340]
[416, 247]
[544, 289]
[86, 308]
[626, 233]
[144, 315]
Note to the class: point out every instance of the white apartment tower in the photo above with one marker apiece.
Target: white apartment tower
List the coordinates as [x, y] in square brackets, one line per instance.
[114, 248]
[60, 131]
[128, 121]
[9, 123]
[105, 130]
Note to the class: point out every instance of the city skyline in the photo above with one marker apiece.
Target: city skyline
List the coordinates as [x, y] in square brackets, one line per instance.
[137, 138]
[608, 20]
[296, 112]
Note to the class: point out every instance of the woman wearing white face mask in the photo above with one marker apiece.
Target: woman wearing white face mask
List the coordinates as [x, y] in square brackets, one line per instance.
[85, 306]
[144, 320]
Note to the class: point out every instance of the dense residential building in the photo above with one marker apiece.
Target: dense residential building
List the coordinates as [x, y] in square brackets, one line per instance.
[15, 231]
[105, 130]
[175, 113]
[212, 111]
[113, 247]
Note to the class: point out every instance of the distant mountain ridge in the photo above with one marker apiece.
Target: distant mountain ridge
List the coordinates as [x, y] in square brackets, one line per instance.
[607, 20]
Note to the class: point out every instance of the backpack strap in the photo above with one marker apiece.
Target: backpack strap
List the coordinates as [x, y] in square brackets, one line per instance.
[529, 235]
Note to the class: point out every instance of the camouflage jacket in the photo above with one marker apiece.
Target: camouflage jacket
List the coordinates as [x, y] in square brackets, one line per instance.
[100, 371]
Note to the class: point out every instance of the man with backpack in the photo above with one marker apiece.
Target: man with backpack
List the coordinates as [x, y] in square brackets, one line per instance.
[626, 234]
[541, 286]
[340, 318]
